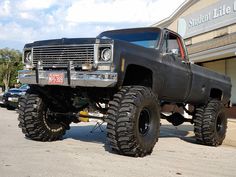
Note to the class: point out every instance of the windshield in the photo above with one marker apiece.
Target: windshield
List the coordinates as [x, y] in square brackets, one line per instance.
[148, 39]
[24, 87]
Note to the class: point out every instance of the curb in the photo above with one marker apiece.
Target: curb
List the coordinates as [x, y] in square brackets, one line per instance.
[232, 120]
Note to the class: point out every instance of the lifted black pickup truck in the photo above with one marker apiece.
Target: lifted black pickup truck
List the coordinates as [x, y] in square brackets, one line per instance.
[126, 76]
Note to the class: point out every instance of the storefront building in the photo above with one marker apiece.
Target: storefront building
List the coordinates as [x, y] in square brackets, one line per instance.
[209, 30]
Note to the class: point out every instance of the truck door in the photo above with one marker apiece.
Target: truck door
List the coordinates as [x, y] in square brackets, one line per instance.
[176, 69]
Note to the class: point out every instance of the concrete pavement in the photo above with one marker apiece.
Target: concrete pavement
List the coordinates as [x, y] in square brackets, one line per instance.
[86, 154]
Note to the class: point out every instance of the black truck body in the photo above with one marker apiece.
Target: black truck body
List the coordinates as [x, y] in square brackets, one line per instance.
[95, 70]
[174, 79]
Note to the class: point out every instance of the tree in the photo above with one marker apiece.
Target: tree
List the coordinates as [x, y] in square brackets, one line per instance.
[10, 63]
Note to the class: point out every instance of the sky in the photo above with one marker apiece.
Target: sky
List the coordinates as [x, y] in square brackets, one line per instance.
[25, 21]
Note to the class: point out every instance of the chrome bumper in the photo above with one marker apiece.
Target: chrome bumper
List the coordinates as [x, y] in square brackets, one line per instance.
[71, 78]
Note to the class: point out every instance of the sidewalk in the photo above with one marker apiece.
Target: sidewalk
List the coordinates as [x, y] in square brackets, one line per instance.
[230, 139]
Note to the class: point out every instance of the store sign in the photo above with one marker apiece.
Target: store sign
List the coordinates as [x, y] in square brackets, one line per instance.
[215, 16]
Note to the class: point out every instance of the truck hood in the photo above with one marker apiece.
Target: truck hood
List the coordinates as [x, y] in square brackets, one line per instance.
[68, 41]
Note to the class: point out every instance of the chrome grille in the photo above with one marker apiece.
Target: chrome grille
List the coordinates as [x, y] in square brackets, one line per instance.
[59, 56]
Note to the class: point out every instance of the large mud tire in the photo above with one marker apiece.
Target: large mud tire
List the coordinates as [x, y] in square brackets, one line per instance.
[35, 122]
[198, 123]
[133, 121]
[210, 123]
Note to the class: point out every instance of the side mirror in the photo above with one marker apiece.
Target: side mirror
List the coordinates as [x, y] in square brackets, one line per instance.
[174, 51]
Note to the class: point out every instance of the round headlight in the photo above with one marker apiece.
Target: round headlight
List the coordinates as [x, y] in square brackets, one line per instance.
[28, 57]
[106, 54]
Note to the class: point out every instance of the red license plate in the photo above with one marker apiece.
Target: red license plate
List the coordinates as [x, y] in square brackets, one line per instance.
[55, 78]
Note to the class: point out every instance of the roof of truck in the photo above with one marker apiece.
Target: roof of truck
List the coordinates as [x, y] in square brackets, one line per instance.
[131, 30]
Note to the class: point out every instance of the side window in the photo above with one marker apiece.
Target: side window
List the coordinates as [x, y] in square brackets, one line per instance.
[173, 45]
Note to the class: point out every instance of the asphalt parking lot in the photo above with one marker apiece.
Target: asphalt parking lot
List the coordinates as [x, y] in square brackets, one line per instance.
[86, 154]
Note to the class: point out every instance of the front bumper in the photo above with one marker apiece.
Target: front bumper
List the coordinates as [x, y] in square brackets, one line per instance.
[69, 78]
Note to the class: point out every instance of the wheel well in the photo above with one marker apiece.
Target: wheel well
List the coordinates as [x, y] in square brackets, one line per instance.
[138, 75]
[216, 93]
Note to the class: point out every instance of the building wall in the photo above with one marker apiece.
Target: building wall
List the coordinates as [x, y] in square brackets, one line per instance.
[231, 71]
[196, 7]
[218, 66]
[213, 34]
[227, 67]
[208, 35]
